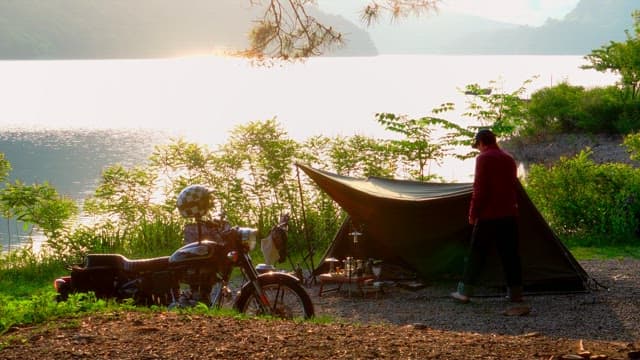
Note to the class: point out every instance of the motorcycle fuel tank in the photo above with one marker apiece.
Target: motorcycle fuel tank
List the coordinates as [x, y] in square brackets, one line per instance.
[193, 251]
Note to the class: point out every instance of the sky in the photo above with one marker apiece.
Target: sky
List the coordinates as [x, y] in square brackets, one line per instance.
[522, 12]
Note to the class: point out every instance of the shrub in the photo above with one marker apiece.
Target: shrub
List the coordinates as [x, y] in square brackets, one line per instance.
[597, 204]
[564, 108]
[629, 119]
[600, 109]
[554, 109]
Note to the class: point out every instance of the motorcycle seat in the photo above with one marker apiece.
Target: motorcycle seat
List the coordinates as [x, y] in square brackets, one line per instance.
[144, 265]
[104, 260]
[122, 263]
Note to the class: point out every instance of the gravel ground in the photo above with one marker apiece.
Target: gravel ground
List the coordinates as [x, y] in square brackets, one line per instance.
[611, 314]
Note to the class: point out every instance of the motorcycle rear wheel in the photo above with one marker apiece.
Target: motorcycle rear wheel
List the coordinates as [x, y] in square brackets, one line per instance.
[287, 298]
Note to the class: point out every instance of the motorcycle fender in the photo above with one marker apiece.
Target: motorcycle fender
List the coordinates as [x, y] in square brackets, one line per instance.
[100, 280]
[272, 274]
[278, 274]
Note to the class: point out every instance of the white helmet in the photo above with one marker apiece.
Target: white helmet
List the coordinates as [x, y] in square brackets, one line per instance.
[194, 201]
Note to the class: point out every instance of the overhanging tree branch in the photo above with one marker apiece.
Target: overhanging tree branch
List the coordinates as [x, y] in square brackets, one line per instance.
[286, 30]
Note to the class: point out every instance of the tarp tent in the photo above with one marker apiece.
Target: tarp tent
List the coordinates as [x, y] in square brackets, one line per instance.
[423, 227]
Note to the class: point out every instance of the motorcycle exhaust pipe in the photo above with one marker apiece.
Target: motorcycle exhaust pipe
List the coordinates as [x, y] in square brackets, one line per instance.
[60, 283]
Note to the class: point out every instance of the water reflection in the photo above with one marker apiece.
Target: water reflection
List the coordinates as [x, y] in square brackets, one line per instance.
[71, 160]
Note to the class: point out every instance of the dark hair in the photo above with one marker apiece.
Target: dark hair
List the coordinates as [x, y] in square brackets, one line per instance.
[484, 136]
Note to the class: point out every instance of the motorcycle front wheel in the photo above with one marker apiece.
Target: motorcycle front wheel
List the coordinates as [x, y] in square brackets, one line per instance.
[287, 298]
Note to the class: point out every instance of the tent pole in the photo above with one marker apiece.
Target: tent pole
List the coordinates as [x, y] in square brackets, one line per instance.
[306, 228]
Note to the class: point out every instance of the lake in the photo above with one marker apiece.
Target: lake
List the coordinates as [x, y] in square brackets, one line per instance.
[64, 121]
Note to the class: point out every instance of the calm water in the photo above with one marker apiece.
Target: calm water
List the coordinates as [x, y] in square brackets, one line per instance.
[64, 121]
[71, 160]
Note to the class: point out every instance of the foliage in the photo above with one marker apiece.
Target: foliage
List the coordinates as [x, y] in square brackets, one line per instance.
[181, 164]
[417, 148]
[362, 156]
[5, 167]
[124, 195]
[580, 199]
[564, 108]
[39, 205]
[41, 307]
[503, 112]
[23, 271]
[262, 154]
[629, 119]
[600, 111]
[488, 106]
[149, 238]
[632, 143]
[554, 109]
[622, 58]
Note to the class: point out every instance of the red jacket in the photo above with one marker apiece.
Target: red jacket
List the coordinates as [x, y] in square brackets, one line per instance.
[494, 186]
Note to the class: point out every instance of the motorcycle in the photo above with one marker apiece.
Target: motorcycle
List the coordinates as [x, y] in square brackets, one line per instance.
[199, 271]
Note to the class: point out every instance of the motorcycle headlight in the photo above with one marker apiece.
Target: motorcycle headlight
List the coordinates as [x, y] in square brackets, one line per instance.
[249, 237]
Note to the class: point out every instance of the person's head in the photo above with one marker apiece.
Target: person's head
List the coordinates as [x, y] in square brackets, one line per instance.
[484, 137]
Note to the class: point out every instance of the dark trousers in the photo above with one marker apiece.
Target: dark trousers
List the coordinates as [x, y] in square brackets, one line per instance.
[503, 234]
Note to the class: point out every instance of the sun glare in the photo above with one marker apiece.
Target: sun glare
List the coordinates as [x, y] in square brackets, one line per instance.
[217, 51]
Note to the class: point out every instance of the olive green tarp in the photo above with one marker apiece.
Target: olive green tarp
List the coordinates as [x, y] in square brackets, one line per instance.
[423, 227]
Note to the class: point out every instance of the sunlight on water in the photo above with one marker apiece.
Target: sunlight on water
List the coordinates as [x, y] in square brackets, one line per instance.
[205, 97]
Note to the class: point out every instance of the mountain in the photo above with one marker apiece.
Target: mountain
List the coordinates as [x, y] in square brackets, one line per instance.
[590, 25]
[431, 34]
[80, 29]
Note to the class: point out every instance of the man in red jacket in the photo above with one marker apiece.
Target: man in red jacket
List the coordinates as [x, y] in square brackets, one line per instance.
[493, 213]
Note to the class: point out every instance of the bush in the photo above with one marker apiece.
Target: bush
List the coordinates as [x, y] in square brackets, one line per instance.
[600, 109]
[565, 108]
[554, 109]
[629, 120]
[581, 200]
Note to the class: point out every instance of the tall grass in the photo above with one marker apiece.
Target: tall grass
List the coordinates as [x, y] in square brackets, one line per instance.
[160, 236]
[23, 272]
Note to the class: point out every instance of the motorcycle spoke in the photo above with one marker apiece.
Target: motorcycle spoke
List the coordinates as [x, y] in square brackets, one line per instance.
[283, 302]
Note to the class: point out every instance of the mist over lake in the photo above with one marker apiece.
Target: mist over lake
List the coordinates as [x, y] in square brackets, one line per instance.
[64, 121]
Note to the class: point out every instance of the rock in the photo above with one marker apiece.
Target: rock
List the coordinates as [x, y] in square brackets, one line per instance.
[517, 311]
[419, 326]
[585, 354]
[531, 334]
[571, 357]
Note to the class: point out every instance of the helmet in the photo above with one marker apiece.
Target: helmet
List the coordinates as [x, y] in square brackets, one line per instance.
[194, 201]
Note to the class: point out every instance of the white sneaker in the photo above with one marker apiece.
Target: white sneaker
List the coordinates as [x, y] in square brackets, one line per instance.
[460, 297]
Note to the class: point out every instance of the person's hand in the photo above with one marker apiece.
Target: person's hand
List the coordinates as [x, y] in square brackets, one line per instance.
[472, 221]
